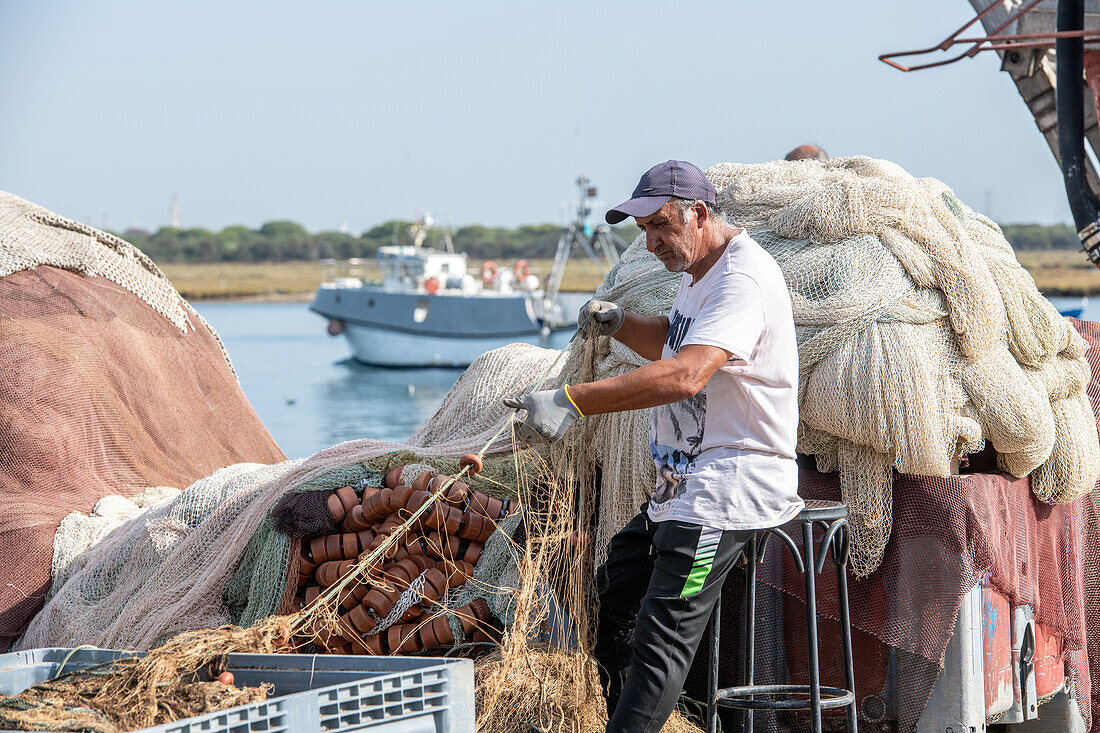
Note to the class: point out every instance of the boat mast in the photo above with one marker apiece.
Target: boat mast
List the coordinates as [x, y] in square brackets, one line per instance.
[580, 232]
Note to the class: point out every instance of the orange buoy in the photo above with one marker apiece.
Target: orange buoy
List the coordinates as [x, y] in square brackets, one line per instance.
[431, 285]
[473, 461]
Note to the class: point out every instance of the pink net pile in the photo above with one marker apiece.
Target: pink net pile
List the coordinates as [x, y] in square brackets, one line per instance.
[101, 395]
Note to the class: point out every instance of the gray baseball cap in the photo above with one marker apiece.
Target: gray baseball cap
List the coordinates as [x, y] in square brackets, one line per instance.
[660, 183]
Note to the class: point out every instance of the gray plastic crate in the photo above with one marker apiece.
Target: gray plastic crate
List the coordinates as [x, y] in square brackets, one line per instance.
[313, 693]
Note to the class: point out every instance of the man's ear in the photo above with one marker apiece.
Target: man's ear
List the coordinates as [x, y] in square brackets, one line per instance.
[701, 214]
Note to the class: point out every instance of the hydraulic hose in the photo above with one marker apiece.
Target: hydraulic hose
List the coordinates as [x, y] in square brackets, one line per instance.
[1070, 53]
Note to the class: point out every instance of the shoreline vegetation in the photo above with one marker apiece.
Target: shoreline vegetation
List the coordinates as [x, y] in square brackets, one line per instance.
[1056, 273]
[281, 260]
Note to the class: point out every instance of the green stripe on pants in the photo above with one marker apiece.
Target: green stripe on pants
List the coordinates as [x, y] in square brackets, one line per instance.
[704, 561]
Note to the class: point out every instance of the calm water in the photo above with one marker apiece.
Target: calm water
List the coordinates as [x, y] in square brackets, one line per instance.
[311, 395]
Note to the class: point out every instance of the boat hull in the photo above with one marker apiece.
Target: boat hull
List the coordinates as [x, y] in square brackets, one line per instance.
[399, 329]
[379, 347]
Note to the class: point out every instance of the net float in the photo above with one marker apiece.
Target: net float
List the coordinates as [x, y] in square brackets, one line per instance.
[393, 476]
[399, 639]
[379, 602]
[487, 530]
[473, 461]
[226, 678]
[347, 497]
[410, 568]
[411, 614]
[327, 574]
[317, 550]
[467, 618]
[311, 594]
[456, 493]
[377, 506]
[437, 580]
[335, 507]
[349, 545]
[347, 599]
[441, 629]
[399, 499]
[373, 643]
[416, 499]
[398, 576]
[355, 521]
[366, 536]
[333, 547]
[473, 524]
[305, 565]
[421, 482]
[427, 638]
[361, 619]
[473, 553]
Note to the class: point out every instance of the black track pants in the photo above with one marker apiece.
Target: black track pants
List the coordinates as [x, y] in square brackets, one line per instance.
[656, 593]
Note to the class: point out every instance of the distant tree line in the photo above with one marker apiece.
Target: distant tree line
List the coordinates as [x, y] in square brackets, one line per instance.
[281, 241]
[1041, 236]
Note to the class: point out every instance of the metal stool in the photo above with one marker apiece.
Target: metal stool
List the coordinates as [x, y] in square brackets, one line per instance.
[831, 516]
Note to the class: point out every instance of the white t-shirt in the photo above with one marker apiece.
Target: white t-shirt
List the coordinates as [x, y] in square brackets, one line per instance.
[726, 457]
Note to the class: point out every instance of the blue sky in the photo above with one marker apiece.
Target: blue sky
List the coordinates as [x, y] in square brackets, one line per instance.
[357, 112]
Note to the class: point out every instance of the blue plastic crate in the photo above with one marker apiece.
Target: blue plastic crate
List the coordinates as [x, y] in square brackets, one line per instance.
[312, 693]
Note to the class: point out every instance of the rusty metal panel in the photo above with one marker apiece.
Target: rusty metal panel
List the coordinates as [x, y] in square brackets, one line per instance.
[996, 650]
[1050, 668]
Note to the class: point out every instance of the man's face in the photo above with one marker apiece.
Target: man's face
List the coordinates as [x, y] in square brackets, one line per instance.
[672, 237]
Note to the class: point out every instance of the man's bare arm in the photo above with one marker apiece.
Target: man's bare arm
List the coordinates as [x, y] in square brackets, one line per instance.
[659, 383]
[644, 334]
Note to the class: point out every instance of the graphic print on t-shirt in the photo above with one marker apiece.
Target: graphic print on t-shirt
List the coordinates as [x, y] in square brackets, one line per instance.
[678, 327]
[683, 422]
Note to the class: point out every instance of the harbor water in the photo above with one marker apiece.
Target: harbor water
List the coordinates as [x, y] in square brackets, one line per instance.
[311, 395]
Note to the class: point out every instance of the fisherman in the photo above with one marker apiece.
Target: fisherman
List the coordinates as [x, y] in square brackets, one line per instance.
[808, 152]
[723, 387]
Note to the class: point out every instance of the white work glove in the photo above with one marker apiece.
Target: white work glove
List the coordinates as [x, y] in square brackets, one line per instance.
[549, 414]
[600, 318]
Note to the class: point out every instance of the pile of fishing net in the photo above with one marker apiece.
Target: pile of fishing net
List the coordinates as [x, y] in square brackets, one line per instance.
[921, 338]
[112, 384]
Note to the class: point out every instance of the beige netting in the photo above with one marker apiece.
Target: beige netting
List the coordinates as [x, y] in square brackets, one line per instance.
[920, 336]
[31, 236]
[169, 572]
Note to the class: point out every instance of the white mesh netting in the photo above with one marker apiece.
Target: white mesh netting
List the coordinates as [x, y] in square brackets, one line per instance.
[170, 569]
[920, 336]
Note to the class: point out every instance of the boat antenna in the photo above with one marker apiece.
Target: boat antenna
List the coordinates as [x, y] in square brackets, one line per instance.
[601, 238]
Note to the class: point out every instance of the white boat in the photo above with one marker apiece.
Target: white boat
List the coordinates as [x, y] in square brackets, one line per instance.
[429, 311]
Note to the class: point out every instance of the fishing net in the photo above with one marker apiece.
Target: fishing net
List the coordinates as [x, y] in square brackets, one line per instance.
[112, 384]
[920, 337]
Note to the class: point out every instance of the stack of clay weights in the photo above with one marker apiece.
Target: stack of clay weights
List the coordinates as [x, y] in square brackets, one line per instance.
[443, 546]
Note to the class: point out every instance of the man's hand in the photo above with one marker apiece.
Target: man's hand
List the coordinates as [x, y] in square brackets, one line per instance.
[549, 414]
[600, 318]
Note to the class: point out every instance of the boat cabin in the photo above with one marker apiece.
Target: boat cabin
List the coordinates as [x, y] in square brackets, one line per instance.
[406, 268]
